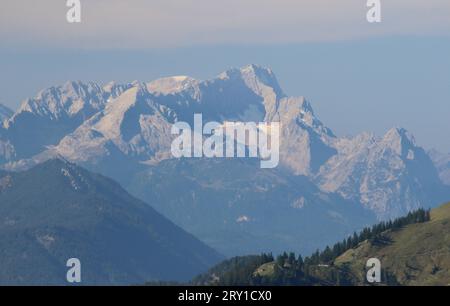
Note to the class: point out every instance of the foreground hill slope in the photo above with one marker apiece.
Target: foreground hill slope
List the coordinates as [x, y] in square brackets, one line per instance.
[414, 250]
[56, 211]
[418, 254]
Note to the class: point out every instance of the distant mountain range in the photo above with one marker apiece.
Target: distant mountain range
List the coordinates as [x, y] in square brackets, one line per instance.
[5, 113]
[56, 211]
[442, 162]
[325, 184]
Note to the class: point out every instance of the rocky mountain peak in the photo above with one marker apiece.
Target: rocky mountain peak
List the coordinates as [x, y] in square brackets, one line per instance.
[399, 140]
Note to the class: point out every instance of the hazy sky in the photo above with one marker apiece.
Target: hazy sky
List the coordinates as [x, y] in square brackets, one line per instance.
[358, 76]
[174, 23]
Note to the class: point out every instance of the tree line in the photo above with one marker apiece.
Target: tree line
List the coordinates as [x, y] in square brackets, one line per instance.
[316, 269]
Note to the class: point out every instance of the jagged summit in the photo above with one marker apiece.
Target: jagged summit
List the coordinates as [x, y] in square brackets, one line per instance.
[129, 124]
[399, 140]
[65, 100]
[69, 100]
[300, 111]
[257, 78]
[390, 175]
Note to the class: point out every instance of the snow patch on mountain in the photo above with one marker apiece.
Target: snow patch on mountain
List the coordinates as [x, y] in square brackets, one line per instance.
[172, 85]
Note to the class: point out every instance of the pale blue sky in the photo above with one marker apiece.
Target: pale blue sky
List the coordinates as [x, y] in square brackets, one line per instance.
[357, 76]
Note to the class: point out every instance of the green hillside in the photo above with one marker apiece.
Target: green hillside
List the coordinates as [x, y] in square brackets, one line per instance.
[418, 254]
[413, 250]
